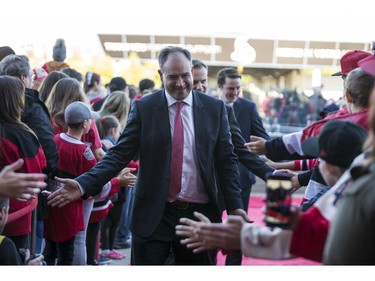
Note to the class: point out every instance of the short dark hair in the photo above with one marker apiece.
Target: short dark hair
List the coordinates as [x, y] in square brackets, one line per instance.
[164, 53]
[146, 84]
[117, 84]
[198, 64]
[72, 73]
[359, 84]
[133, 91]
[229, 72]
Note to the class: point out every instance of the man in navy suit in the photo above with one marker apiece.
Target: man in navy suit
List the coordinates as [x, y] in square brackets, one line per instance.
[250, 161]
[207, 152]
[250, 123]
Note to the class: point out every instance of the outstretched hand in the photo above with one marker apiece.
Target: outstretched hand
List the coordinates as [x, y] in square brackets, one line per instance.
[203, 235]
[20, 185]
[188, 229]
[65, 195]
[126, 178]
[257, 145]
[293, 177]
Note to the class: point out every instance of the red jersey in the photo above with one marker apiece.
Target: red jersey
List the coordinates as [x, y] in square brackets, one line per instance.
[293, 141]
[15, 143]
[75, 158]
[103, 202]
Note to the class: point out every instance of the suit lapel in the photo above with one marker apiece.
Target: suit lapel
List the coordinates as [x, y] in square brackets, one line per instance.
[199, 115]
[162, 117]
[200, 129]
[237, 108]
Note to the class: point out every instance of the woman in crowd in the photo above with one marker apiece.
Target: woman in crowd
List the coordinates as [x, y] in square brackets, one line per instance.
[18, 141]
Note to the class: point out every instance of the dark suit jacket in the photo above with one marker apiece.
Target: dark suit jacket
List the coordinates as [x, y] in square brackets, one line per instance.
[148, 131]
[250, 161]
[250, 124]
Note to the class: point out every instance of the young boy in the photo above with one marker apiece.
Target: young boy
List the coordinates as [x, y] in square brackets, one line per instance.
[75, 158]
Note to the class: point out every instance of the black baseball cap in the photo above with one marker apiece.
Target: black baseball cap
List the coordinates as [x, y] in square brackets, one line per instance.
[117, 84]
[338, 143]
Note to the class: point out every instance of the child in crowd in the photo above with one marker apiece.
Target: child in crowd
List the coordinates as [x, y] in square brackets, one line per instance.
[75, 158]
[64, 92]
[93, 87]
[109, 131]
[102, 207]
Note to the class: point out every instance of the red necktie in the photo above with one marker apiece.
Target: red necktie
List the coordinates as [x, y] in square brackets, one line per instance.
[177, 153]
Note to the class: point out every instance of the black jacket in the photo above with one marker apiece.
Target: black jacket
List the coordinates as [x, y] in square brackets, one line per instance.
[36, 116]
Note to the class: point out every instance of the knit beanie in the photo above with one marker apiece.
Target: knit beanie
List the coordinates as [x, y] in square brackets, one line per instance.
[59, 50]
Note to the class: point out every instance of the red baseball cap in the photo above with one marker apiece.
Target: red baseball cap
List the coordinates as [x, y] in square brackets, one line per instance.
[368, 64]
[350, 60]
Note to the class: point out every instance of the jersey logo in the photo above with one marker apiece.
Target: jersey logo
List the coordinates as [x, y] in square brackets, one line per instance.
[88, 154]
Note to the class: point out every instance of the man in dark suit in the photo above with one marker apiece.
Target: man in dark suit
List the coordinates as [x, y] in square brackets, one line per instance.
[207, 152]
[252, 162]
[250, 123]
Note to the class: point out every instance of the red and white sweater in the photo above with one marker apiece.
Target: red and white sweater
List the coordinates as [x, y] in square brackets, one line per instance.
[306, 241]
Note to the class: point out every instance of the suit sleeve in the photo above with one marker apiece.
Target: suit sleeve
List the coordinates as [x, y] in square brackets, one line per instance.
[304, 177]
[117, 158]
[251, 161]
[226, 163]
[276, 150]
[257, 128]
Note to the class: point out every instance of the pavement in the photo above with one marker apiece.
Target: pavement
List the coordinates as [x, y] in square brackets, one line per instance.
[257, 189]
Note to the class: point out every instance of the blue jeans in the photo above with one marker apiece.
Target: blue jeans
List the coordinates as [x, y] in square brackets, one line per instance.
[39, 236]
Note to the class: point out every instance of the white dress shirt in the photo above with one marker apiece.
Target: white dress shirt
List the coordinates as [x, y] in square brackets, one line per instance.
[192, 187]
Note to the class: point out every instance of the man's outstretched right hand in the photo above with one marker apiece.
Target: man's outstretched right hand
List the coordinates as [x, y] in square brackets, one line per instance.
[65, 195]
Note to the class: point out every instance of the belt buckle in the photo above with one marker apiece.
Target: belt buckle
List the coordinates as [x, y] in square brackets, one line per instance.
[180, 205]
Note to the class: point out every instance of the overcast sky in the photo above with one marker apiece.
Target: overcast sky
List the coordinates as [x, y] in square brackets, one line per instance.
[40, 22]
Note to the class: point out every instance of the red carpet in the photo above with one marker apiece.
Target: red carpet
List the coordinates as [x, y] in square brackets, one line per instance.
[255, 214]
